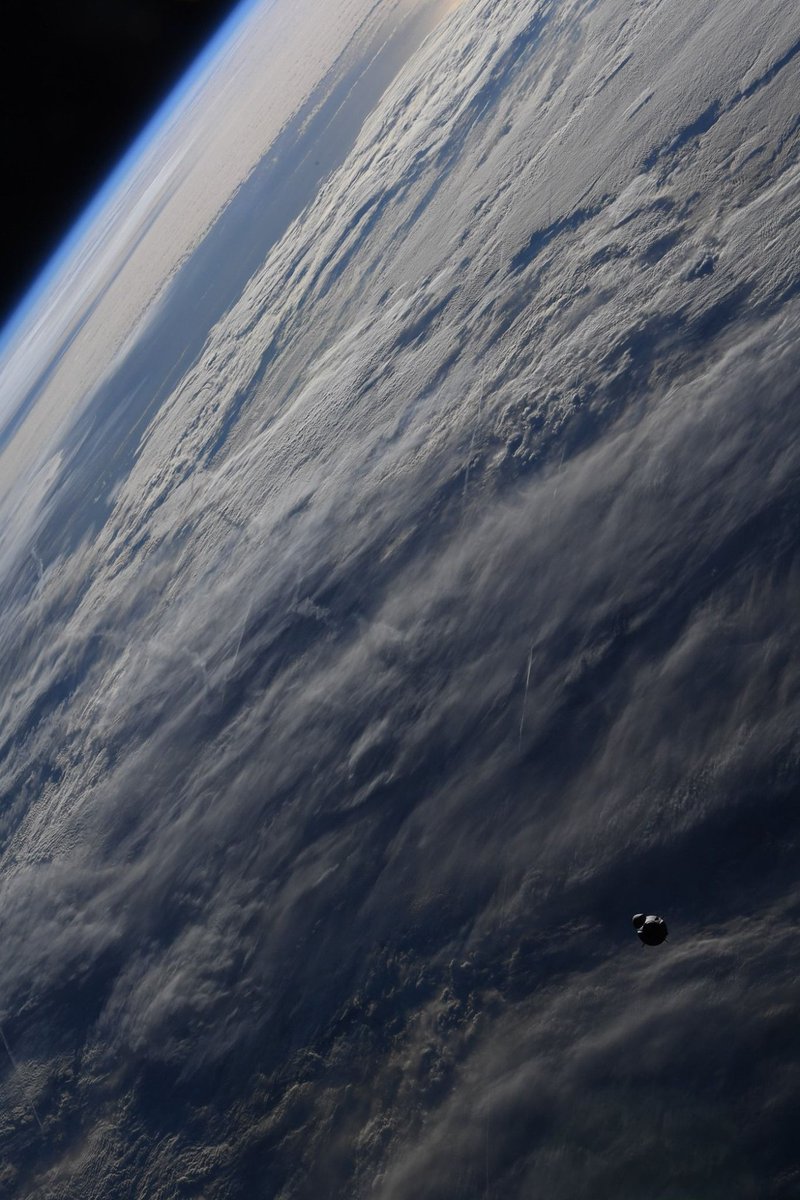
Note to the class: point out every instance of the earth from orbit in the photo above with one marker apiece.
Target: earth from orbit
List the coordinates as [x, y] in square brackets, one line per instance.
[399, 575]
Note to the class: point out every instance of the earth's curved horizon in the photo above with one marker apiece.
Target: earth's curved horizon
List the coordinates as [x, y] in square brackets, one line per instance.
[399, 479]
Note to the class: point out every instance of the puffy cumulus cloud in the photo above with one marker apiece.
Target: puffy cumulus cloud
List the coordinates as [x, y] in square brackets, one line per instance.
[442, 618]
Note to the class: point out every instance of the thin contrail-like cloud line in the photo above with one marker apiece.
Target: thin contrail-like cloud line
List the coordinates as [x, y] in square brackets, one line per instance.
[525, 697]
[15, 1065]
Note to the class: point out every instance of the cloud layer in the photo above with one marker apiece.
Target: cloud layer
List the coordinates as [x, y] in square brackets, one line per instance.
[441, 617]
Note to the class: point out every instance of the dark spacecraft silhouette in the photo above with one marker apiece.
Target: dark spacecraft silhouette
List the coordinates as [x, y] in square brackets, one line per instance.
[652, 930]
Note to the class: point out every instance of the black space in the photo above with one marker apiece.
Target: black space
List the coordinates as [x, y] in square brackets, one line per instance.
[79, 80]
